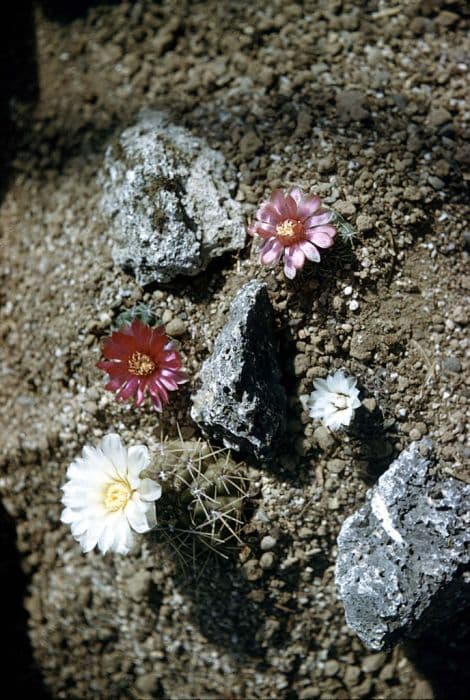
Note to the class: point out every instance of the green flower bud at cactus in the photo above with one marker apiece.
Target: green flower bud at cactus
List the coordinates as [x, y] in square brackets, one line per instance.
[204, 491]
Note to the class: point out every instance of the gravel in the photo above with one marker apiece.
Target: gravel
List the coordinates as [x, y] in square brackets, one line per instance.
[223, 70]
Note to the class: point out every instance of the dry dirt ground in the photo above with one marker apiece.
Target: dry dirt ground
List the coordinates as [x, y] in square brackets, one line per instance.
[363, 103]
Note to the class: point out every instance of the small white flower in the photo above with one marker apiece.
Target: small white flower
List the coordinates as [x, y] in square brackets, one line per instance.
[105, 499]
[334, 400]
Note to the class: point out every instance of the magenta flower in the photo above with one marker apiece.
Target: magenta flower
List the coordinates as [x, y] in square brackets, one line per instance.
[141, 359]
[293, 225]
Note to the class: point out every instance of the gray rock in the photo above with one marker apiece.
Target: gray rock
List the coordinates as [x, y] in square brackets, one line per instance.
[403, 558]
[241, 401]
[166, 195]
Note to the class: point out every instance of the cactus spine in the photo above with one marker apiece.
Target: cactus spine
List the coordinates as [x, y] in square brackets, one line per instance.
[204, 491]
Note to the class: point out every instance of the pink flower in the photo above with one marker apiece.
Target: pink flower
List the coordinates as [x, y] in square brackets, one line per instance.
[293, 225]
[141, 359]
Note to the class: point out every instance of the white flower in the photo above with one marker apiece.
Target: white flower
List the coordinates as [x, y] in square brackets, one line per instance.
[105, 499]
[334, 400]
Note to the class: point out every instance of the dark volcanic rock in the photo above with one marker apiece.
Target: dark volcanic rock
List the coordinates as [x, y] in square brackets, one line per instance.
[241, 401]
[166, 196]
[403, 558]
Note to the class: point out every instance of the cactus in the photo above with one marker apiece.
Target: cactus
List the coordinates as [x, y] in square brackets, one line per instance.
[346, 232]
[204, 491]
[141, 311]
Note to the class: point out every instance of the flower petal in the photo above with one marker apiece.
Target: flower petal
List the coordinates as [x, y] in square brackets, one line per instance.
[149, 490]
[157, 343]
[271, 252]
[259, 228]
[128, 389]
[291, 207]
[155, 386]
[115, 383]
[119, 346]
[168, 382]
[289, 270]
[297, 195]
[94, 462]
[90, 538]
[140, 396]
[155, 394]
[114, 368]
[321, 236]
[136, 515]
[318, 219]
[338, 383]
[150, 514]
[123, 537]
[278, 201]
[308, 207]
[339, 418]
[138, 459]
[142, 333]
[268, 214]
[108, 535]
[310, 251]
[67, 516]
[294, 255]
[115, 451]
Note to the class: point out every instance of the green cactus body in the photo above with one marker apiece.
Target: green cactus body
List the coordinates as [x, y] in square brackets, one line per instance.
[204, 491]
[140, 311]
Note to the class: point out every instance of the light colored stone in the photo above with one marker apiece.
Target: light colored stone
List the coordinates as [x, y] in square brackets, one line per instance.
[167, 200]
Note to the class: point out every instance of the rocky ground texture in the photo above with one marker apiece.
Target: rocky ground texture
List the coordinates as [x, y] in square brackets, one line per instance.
[363, 103]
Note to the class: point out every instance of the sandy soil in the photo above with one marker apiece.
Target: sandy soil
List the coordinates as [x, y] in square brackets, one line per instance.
[363, 103]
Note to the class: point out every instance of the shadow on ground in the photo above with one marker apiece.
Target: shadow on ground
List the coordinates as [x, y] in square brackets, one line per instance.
[24, 678]
[441, 655]
[18, 77]
[67, 10]
[233, 604]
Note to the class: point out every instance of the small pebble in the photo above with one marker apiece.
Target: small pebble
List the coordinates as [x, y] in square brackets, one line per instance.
[370, 404]
[267, 560]
[268, 542]
[373, 662]
[251, 570]
[176, 327]
[323, 438]
[336, 466]
[451, 364]
[331, 667]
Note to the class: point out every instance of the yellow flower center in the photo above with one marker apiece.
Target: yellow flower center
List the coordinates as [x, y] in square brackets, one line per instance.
[290, 230]
[140, 364]
[116, 495]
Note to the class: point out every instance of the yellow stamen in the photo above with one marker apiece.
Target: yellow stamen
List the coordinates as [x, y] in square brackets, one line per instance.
[140, 364]
[289, 229]
[117, 495]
